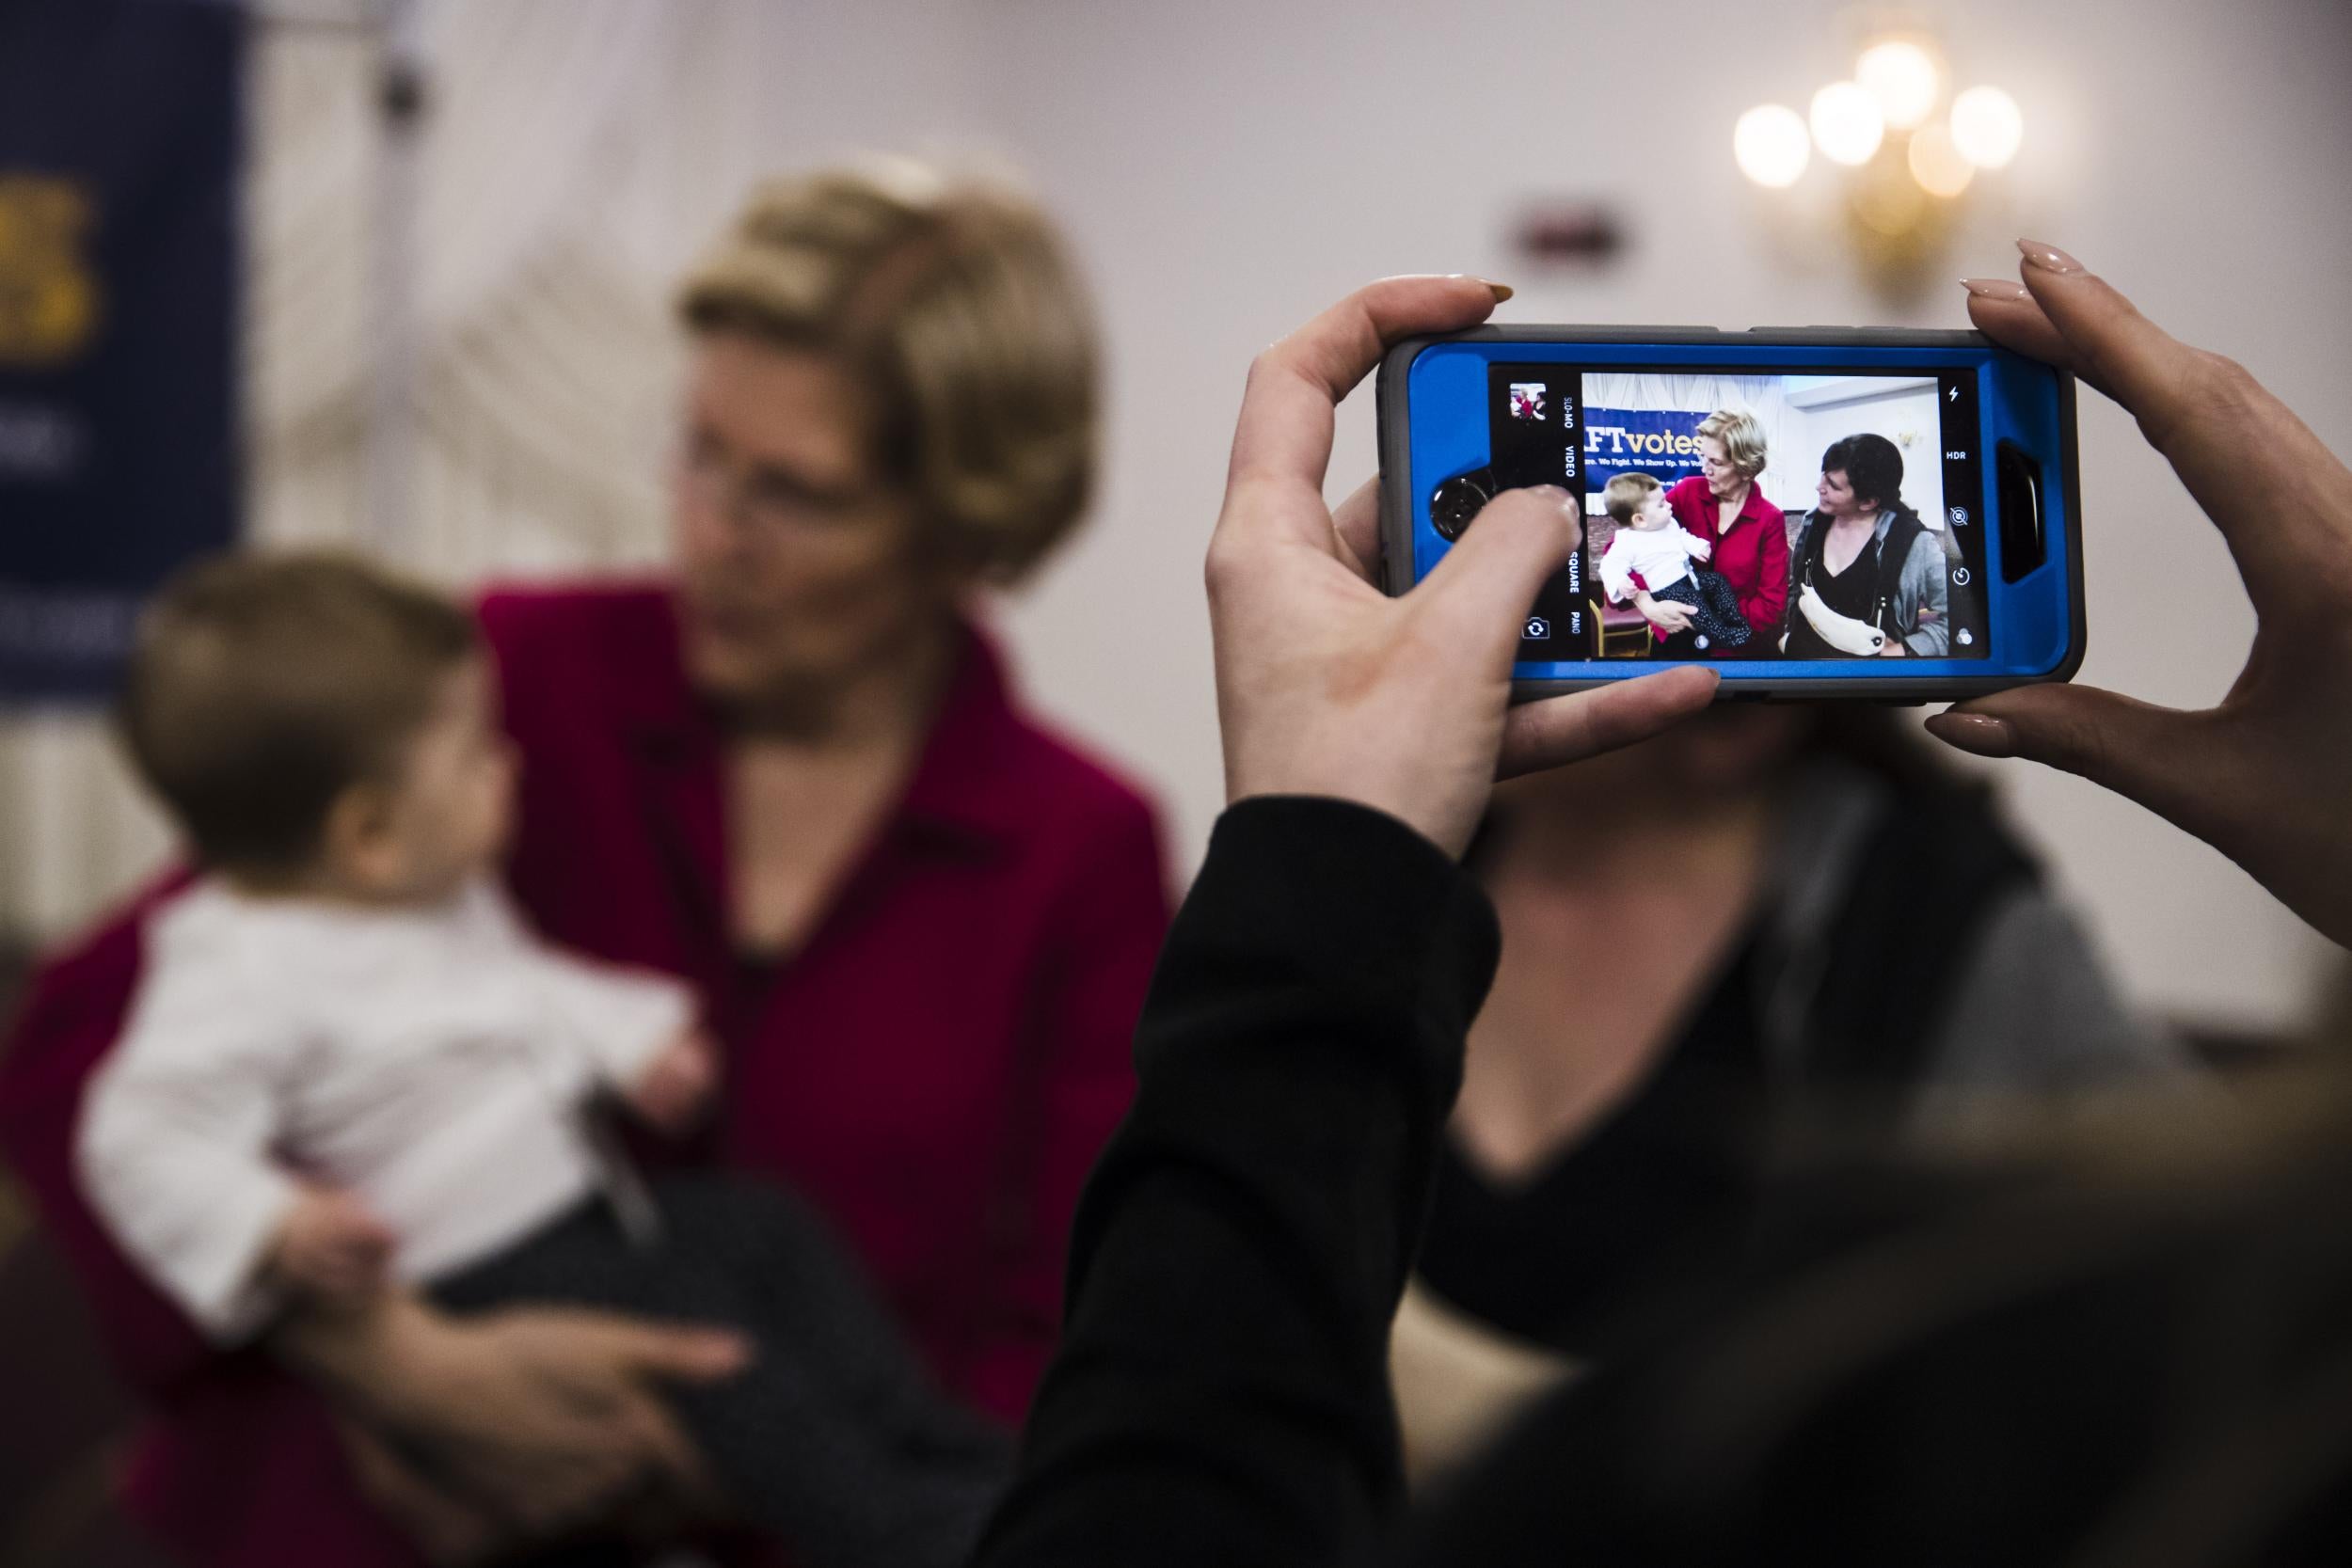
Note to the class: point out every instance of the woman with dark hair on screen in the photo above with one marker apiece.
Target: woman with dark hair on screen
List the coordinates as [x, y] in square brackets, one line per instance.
[1871, 579]
[2136, 1350]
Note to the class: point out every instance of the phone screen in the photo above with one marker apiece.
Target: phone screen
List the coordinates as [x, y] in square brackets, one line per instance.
[1736, 515]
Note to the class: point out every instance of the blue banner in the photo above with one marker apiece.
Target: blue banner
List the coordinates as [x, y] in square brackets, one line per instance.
[118, 264]
[1660, 442]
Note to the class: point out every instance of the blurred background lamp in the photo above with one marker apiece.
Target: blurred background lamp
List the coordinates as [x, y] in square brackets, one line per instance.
[1937, 165]
[1986, 126]
[1889, 202]
[1771, 145]
[1902, 77]
[1846, 125]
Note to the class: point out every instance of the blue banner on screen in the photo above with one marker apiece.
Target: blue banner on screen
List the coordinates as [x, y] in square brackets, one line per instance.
[1662, 443]
[119, 248]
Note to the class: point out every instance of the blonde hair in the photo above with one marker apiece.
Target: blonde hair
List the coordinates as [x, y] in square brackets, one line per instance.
[954, 301]
[1627, 494]
[1742, 436]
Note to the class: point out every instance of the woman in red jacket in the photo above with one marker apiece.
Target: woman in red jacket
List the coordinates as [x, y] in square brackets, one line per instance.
[794, 775]
[1721, 504]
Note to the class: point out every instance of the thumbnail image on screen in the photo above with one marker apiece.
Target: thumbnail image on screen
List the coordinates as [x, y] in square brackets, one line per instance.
[1740, 515]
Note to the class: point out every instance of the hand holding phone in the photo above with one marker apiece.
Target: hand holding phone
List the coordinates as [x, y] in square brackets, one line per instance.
[1890, 515]
[2264, 776]
[1304, 658]
[1326, 687]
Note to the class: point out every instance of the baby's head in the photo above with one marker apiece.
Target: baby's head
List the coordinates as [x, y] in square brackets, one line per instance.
[1637, 502]
[316, 725]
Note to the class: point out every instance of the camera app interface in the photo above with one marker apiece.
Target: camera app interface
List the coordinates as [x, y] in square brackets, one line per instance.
[1741, 515]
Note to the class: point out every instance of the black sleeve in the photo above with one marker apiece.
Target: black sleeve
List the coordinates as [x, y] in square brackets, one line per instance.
[1221, 1394]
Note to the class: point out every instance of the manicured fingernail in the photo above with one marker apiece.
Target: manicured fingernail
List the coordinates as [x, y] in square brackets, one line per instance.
[1978, 733]
[1500, 291]
[1995, 288]
[2048, 257]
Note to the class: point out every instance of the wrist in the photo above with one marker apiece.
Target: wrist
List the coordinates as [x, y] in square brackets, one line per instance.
[1323, 793]
[1352, 895]
[282, 1277]
[384, 1356]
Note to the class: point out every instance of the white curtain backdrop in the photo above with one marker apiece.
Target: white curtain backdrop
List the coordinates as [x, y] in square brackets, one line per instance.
[574, 154]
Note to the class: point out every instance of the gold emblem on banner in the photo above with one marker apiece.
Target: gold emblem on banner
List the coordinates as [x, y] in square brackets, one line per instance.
[48, 295]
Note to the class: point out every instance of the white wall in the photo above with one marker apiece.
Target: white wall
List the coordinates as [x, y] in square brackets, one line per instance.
[1230, 166]
[1227, 168]
[1902, 410]
[1800, 415]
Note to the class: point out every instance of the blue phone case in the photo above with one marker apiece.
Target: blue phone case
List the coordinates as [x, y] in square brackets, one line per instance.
[1434, 426]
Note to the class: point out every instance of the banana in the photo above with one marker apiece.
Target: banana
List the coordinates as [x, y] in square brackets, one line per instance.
[1842, 632]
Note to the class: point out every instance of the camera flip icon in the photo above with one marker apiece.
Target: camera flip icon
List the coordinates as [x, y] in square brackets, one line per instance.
[1538, 629]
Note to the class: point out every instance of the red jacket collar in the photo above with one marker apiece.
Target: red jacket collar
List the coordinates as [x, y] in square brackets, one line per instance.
[964, 783]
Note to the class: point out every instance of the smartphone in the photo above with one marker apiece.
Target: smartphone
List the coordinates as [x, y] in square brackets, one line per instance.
[1891, 515]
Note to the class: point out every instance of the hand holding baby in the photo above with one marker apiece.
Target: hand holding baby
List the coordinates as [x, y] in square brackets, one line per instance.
[330, 1250]
[674, 1089]
[1671, 618]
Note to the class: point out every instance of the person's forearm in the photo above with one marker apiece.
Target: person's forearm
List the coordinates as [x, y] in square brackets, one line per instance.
[1221, 1394]
[364, 1360]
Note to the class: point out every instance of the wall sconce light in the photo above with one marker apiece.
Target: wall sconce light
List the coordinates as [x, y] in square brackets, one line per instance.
[1903, 166]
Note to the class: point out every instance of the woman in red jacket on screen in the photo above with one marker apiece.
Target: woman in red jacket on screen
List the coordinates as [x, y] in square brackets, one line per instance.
[1722, 505]
[792, 774]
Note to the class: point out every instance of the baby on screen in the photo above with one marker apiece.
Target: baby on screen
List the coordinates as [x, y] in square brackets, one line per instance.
[350, 1066]
[1653, 553]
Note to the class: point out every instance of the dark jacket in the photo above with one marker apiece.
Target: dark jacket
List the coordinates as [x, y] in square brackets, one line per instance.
[2021, 1383]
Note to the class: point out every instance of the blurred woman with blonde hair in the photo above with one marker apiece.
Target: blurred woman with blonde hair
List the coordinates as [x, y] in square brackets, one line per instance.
[794, 773]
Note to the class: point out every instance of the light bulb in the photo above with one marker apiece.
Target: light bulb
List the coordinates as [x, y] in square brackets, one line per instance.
[1902, 76]
[1846, 125]
[1771, 145]
[1986, 127]
[1937, 165]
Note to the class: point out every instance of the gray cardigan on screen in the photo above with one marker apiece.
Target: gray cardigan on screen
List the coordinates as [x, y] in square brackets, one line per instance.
[1923, 589]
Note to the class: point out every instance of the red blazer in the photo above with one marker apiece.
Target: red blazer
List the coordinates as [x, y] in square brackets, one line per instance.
[937, 1068]
[1752, 556]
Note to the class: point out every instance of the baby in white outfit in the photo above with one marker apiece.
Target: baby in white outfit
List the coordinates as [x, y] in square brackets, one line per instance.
[1653, 560]
[349, 1065]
